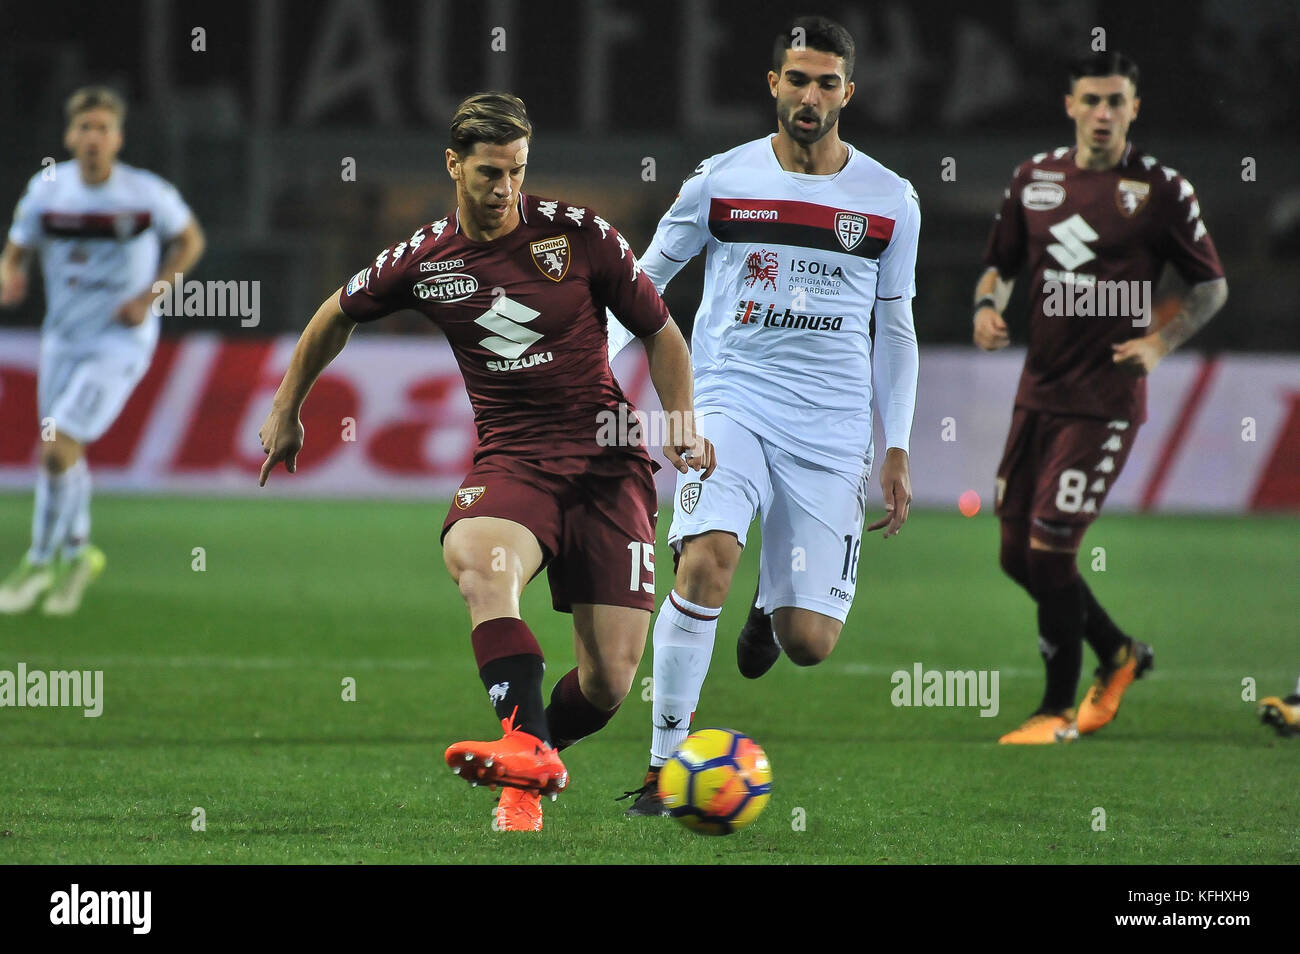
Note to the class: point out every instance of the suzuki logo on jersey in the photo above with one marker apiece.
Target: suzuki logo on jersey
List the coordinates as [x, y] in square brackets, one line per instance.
[753, 312]
[762, 267]
[510, 339]
[551, 256]
[1071, 245]
[850, 229]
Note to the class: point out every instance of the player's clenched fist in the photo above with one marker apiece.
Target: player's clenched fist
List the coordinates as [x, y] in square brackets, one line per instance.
[990, 330]
[281, 436]
[693, 453]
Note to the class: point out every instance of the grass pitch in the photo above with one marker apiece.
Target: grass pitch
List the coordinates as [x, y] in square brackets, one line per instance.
[223, 692]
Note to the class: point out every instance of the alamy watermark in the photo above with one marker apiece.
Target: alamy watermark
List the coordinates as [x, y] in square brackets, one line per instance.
[1073, 295]
[637, 428]
[950, 687]
[211, 299]
[59, 688]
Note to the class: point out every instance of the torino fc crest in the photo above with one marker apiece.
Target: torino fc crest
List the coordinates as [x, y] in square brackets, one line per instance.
[1131, 195]
[551, 256]
[850, 229]
[466, 497]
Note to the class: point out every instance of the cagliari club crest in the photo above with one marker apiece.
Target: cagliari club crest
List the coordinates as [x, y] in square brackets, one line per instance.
[850, 229]
[466, 497]
[551, 256]
[1131, 195]
[690, 496]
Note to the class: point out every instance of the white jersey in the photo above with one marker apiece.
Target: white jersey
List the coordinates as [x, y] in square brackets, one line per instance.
[795, 264]
[99, 245]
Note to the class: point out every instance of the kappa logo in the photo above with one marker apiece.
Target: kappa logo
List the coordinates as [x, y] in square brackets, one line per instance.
[467, 497]
[762, 267]
[850, 229]
[1131, 196]
[690, 496]
[551, 256]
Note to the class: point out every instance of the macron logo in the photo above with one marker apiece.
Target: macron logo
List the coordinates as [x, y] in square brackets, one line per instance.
[102, 907]
[506, 319]
[767, 214]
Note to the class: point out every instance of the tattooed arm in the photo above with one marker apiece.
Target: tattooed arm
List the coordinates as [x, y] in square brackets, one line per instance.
[1203, 300]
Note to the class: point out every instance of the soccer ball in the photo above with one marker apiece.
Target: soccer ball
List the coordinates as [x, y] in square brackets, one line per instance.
[717, 782]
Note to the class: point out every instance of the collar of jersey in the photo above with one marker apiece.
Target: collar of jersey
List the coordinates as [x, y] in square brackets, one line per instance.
[808, 178]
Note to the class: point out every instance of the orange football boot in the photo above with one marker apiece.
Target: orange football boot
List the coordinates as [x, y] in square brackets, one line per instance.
[516, 760]
[517, 810]
[1043, 728]
[1101, 703]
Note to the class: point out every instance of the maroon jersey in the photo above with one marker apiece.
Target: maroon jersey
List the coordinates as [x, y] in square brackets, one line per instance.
[1083, 233]
[525, 316]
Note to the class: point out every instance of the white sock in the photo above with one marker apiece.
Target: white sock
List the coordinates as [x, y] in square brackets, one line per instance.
[51, 514]
[683, 647]
[78, 534]
[1297, 687]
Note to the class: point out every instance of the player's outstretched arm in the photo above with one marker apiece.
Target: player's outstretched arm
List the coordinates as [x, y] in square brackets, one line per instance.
[992, 292]
[1202, 302]
[13, 275]
[322, 340]
[670, 371]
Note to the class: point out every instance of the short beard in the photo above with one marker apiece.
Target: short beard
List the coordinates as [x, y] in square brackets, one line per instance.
[808, 138]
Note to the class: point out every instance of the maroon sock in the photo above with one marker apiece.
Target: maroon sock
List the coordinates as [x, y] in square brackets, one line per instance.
[510, 665]
[571, 715]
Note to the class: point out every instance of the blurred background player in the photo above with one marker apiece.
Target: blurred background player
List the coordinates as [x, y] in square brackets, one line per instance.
[1282, 714]
[513, 280]
[806, 237]
[1099, 218]
[100, 227]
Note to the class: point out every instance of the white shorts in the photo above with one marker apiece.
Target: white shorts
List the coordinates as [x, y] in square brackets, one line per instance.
[85, 390]
[811, 516]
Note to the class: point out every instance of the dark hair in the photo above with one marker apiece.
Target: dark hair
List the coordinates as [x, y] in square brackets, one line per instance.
[1104, 64]
[819, 33]
[494, 118]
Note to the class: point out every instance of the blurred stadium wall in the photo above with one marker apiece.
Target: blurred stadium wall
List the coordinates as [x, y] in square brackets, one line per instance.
[254, 108]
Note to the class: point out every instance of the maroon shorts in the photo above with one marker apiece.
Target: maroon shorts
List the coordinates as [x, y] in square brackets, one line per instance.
[1057, 469]
[593, 516]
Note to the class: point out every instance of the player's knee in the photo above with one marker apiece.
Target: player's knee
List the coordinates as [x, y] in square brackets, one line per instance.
[1051, 570]
[483, 589]
[1014, 559]
[1014, 554]
[607, 685]
[60, 454]
[808, 640]
[707, 565]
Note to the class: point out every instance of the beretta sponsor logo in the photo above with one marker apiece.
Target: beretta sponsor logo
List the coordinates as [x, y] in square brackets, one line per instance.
[456, 286]
[1041, 196]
